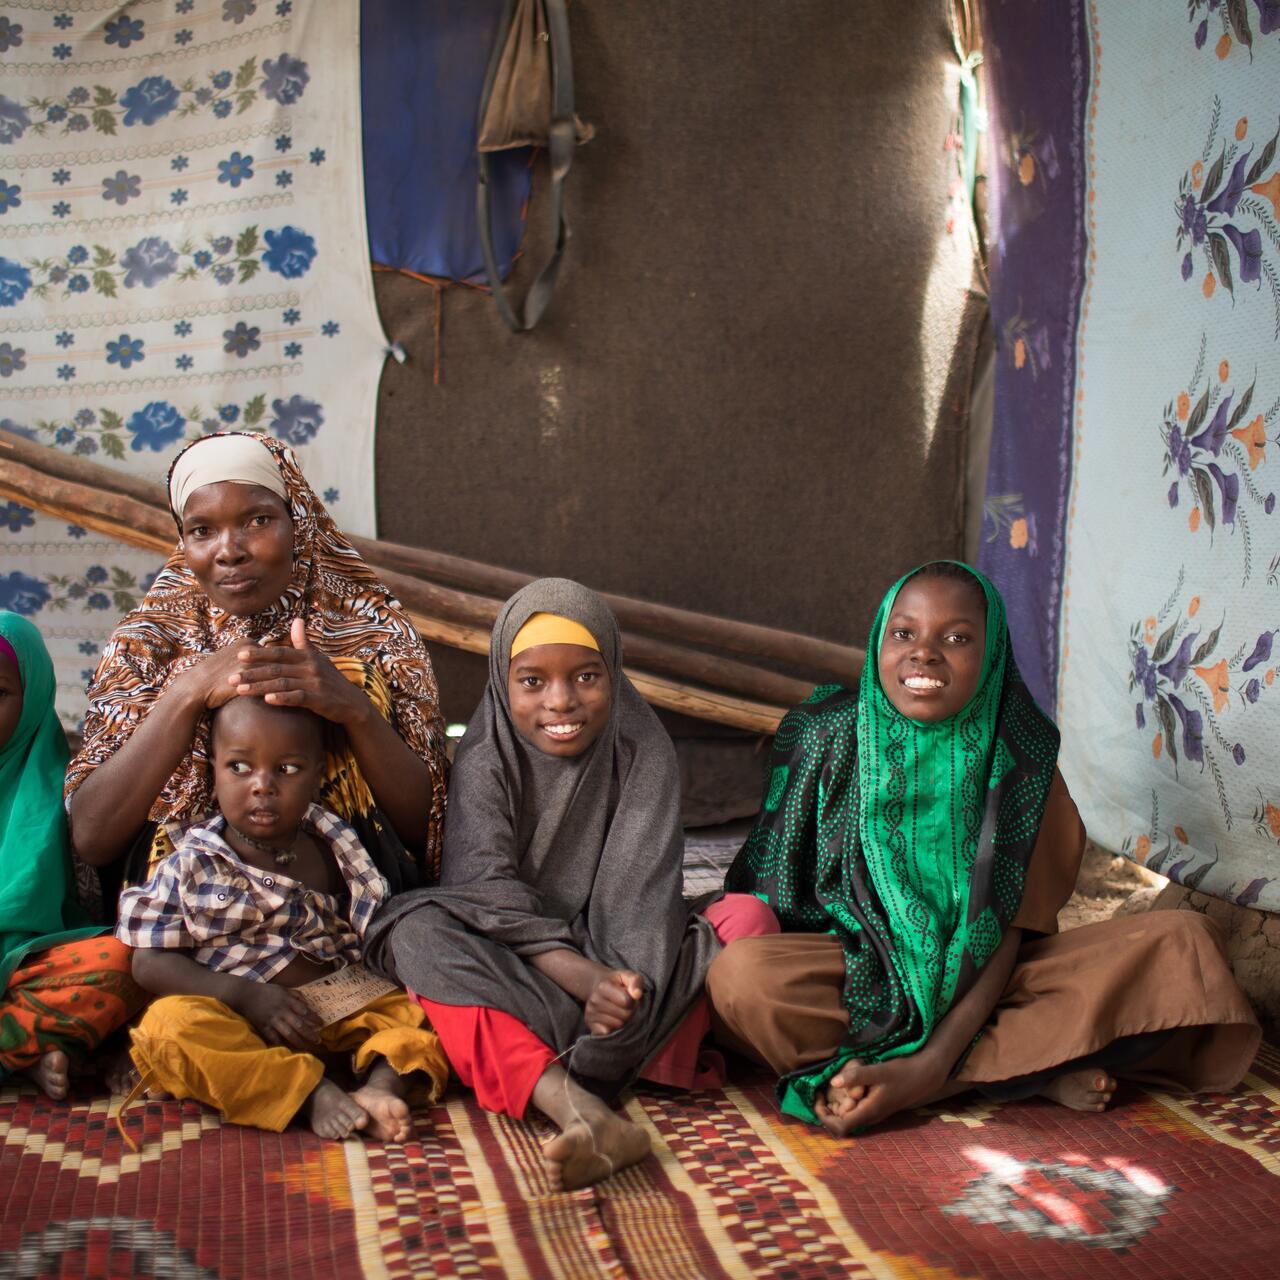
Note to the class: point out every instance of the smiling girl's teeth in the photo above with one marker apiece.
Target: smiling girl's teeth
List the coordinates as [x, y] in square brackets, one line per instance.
[922, 682]
[561, 730]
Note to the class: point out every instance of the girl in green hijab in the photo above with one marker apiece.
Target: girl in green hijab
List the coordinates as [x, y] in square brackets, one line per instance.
[62, 985]
[916, 842]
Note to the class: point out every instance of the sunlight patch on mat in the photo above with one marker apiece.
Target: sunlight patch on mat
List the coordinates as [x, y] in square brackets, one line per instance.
[1109, 1204]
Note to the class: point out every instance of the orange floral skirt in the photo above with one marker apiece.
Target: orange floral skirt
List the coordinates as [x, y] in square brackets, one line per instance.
[68, 997]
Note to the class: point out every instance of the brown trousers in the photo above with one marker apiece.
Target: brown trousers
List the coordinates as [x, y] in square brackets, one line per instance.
[776, 999]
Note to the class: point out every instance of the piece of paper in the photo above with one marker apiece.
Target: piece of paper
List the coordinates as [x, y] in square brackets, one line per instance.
[345, 991]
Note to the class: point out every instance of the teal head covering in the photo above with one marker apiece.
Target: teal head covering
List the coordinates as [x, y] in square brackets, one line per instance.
[909, 841]
[37, 904]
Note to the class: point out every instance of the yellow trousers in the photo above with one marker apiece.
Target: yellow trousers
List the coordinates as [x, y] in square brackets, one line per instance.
[197, 1047]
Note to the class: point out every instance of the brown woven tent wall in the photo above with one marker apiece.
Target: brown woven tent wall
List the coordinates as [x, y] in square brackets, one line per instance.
[725, 408]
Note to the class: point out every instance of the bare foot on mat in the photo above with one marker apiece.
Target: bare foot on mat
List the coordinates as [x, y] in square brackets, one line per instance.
[382, 1097]
[840, 1098]
[119, 1072]
[1088, 1090]
[50, 1074]
[332, 1112]
[122, 1078]
[592, 1148]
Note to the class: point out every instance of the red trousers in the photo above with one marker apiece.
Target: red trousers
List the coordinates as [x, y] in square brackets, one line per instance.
[499, 1058]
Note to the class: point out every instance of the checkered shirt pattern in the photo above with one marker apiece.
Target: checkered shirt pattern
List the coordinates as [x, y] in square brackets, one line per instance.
[236, 918]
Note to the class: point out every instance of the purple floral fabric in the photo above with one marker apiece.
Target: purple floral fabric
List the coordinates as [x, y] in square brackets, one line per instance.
[1131, 514]
[1036, 64]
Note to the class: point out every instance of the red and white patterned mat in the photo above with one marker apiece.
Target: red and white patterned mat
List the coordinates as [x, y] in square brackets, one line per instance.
[1159, 1187]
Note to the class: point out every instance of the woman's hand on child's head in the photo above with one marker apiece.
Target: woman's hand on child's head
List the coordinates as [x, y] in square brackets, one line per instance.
[279, 1015]
[297, 675]
[612, 1001]
[212, 680]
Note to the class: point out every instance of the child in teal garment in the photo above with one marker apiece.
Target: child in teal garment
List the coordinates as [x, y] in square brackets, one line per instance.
[63, 986]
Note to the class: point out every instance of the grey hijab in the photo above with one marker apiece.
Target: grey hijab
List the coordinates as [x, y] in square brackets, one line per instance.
[543, 852]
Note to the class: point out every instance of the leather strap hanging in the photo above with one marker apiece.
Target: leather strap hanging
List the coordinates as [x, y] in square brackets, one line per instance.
[528, 100]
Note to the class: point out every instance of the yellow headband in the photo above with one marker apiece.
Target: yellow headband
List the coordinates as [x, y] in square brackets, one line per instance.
[551, 628]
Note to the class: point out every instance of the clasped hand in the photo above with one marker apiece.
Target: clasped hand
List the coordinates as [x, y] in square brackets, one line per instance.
[279, 1015]
[859, 1095]
[612, 1001]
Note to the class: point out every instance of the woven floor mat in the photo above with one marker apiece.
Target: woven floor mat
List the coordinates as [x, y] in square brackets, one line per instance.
[1158, 1187]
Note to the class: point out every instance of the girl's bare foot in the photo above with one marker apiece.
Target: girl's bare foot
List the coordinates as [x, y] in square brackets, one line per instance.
[841, 1097]
[332, 1112]
[593, 1141]
[382, 1098]
[1088, 1090]
[50, 1074]
[593, 1148]
[868, 1095]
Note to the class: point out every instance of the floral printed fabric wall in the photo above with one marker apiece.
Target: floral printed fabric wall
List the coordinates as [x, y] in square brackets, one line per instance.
[1166, 551]
[182, 249]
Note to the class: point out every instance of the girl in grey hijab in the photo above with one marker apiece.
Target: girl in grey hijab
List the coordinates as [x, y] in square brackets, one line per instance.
[558, 932]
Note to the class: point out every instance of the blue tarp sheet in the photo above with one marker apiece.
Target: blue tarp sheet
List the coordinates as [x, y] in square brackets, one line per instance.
[422, 67]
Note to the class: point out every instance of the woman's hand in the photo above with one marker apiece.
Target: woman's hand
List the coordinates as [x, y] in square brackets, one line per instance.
[612, 1001]
[110, 806]
[298, 676]
[858, 1095]
[210, 682]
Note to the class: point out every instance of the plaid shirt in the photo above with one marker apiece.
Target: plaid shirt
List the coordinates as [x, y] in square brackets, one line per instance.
[235, 918]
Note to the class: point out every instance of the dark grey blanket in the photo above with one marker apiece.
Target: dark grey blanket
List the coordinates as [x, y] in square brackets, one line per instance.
[543, 852]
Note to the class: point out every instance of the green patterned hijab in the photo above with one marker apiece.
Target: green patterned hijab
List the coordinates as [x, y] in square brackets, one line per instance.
[37, 900]
[908, 841]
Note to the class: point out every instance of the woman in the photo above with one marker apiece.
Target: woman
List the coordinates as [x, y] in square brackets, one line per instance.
[63, 986]
[558, 930]
[262, 597]
[916, 843]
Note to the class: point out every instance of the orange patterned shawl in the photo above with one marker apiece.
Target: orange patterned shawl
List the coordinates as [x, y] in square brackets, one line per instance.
[350, 616]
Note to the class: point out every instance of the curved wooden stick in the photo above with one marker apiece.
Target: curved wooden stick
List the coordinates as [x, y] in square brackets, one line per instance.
[683, 626]
[131, 510]
[808, 653]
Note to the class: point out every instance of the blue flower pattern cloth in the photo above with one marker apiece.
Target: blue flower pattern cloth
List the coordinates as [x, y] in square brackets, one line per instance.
[182, 249]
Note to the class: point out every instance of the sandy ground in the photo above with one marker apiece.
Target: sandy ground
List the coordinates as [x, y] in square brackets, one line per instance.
[1106, 886]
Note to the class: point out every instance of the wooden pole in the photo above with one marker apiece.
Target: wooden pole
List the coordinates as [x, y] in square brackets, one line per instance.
[441, 614]
[114, 514]
[653, 655]
[807, 653]
[683, 626]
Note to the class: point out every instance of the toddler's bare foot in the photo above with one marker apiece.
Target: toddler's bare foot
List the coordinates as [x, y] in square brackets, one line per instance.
[333, 1113]
[120, 1073]
[592, 1148]
[1088, 1090]
[382, 1097]
[50, 1074]
[122, 1077]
